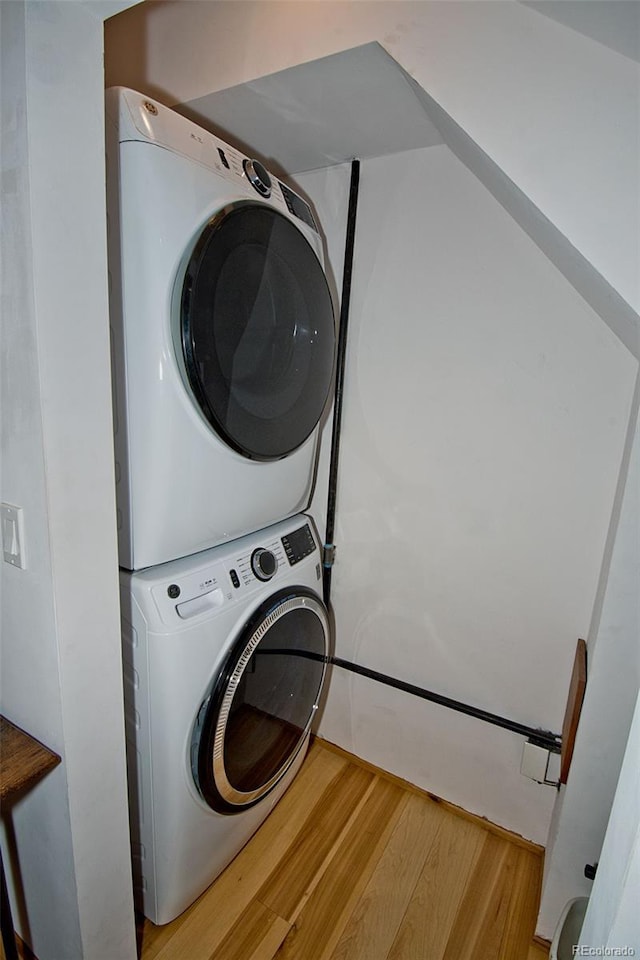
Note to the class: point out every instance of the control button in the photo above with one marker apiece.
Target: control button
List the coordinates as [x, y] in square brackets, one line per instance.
[225, 162]
[258, 177]
[263, 563]
[173, 590]
[235, 580]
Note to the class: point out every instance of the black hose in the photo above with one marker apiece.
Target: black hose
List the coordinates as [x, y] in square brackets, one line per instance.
[329, 546]
[542, 738]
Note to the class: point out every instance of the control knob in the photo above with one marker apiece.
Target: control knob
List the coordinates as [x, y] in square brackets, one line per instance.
[258, 177]
[263, 563]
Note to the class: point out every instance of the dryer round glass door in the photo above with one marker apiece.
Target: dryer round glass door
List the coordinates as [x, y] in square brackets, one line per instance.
[257, 331]
[259, 713]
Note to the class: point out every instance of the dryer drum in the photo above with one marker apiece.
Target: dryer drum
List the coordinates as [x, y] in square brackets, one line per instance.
[257, 331]
[259, 714]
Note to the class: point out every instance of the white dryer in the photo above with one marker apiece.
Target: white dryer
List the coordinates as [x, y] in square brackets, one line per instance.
[224, 659]
[223, 336]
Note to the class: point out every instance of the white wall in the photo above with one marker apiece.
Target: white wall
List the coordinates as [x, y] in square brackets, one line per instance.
[61, 676]
[486, 409]
[581, 814]
[616, 23]
[612, 913]
[557, 111]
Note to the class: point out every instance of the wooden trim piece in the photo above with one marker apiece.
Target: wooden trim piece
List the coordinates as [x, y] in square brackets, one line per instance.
[541, 942]
[23, 760]
[536, 952]
[493, 828]
[574, 707]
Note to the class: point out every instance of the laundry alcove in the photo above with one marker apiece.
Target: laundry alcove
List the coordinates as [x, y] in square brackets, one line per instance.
[557, 112]
[480, 384]
[487, 407]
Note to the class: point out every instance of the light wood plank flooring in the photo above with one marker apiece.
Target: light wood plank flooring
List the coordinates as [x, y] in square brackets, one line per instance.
[355, 865]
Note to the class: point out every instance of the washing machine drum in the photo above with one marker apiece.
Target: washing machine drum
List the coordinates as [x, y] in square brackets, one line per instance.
[257, 331]
[259, 713]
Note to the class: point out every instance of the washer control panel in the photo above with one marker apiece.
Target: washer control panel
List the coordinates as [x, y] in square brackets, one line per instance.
[261, 563]
[228, 572]
[188, 595]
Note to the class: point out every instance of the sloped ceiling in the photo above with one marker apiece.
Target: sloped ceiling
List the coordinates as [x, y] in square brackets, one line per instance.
[361, 103]
[614, 23]
[357, 103]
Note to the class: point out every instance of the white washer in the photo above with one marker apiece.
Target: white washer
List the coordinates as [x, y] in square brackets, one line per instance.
[224, 660]
[223, 336]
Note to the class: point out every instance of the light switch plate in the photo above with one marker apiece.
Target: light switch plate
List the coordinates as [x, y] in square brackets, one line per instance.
[13, 547]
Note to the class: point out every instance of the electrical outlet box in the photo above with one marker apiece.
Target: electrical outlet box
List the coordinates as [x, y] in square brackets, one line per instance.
[541, 764]
[553, 768]
[534, 762]
[13, 546]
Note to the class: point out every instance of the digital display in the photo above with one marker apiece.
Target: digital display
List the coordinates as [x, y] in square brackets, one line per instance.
[298, 545]
[297, 206]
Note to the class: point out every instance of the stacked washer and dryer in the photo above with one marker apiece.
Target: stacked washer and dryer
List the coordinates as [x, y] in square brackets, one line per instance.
[223, 343]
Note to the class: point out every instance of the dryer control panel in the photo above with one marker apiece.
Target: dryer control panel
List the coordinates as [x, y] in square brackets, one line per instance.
[138, 117]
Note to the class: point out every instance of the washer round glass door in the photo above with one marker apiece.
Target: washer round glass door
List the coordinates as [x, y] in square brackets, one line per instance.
[260, 710]
[257, 331]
